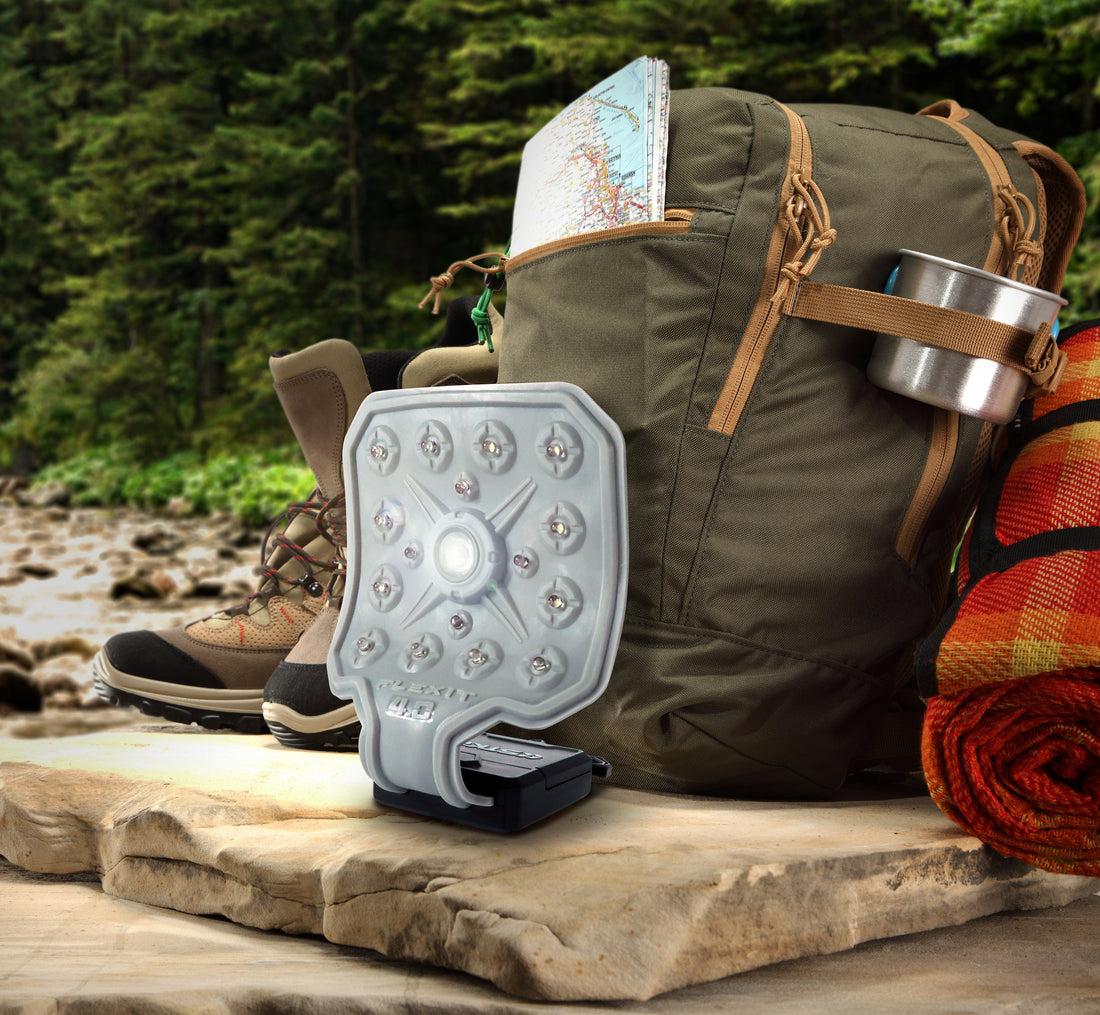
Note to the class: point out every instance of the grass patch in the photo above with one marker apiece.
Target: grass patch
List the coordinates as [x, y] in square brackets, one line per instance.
[254, 487]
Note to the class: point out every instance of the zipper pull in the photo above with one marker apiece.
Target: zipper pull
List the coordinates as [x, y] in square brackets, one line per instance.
[480, 314]
[1015, 228]
[807, 216]
[446, 279]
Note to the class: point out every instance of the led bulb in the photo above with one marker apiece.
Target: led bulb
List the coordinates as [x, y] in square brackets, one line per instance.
[433, 441]
[387, 520]
[525, 562]
[459, 624]
[369, 647]
[383, 451]
[457, 555]
[560, 604]
[466, 486]
[384, 588]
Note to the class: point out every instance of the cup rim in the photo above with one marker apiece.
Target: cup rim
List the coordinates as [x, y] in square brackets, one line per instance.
[967, 269]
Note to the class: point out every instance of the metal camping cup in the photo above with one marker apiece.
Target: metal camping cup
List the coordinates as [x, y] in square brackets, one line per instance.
[954, 380]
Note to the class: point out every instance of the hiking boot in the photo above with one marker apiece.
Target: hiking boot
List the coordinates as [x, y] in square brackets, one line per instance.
[213, 671]
[299, 707]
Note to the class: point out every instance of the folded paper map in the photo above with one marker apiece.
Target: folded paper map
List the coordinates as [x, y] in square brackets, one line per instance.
[599, 163]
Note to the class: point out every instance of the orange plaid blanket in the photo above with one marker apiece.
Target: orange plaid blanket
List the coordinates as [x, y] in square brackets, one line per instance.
[1011, 743]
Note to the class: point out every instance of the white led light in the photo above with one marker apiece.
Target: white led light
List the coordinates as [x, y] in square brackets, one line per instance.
[369, 647]
[494, 446]
[383, 450]
[560, 602]
[459, 624]
[563, 527]
[434, 445]
[384, 589]
[498, 484]
[466, 486]
[525, 562]
[388, 520]
[457, 555]
[422, 653]
[559, 449]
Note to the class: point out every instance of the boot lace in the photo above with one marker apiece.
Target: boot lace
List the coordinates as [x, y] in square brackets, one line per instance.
[332, 520]
[328, 516]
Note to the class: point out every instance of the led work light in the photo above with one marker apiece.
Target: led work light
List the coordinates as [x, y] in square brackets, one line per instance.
[487, 563]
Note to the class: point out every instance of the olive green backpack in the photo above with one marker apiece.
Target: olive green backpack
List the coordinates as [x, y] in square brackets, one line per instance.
[791, 524]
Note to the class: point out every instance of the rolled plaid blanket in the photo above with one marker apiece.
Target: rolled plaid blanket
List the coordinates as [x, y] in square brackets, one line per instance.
[1011, 743]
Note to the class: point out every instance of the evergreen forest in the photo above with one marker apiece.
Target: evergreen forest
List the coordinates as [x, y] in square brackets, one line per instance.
[188, 185]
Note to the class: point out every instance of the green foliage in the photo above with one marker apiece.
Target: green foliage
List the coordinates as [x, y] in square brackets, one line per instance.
[254, 488]
[1042, 73]
[98, 477]
[1082, 286]
[186, 187]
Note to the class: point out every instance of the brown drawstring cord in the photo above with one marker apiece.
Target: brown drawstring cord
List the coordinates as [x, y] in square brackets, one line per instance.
[446, 279]
[1016, 232]
[811, 223]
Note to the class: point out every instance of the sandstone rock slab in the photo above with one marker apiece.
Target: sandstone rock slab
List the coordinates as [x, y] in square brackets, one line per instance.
[66, 946]
[624, 896]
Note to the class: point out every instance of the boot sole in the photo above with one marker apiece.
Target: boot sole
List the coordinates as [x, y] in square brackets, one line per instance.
[337, 730]
[212, 709]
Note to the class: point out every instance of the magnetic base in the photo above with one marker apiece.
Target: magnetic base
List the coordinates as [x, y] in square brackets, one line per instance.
[527, 781]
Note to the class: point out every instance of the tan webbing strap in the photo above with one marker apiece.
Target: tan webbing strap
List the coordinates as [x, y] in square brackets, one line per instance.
[1036, 355]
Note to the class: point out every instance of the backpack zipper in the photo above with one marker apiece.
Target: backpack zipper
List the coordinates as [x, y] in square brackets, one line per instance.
[1002, 258]
[1012, 248]
[676, 220]
[937, 467]
[767, 310]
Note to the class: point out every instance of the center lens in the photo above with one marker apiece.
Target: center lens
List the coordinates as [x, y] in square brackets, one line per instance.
[457, 556]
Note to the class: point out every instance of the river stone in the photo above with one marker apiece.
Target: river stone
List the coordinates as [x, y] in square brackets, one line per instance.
[624, 896]
[18, 689]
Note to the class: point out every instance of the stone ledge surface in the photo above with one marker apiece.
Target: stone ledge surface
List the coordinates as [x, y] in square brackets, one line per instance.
[67, 948]
[625, 896]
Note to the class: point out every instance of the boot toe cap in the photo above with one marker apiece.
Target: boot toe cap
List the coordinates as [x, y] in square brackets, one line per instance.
[302, 687]
[147, 655]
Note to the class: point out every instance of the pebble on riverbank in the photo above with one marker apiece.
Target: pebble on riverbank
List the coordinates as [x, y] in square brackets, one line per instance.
[72, 577]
